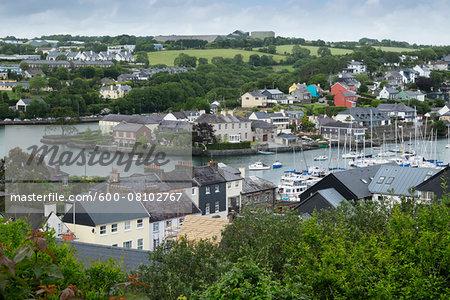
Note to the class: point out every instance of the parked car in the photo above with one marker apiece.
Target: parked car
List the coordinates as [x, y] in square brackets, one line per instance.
[7, 120]
[17, 119]
[26, 119]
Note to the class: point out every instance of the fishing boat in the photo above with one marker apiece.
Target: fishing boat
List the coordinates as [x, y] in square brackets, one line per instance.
[257, 166]
[321, 158]
[266, 152]
[277, 164]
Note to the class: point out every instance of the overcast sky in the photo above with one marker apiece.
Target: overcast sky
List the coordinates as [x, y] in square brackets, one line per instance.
[414, 21]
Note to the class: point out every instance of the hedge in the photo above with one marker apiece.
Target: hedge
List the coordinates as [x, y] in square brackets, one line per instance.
[229, 146]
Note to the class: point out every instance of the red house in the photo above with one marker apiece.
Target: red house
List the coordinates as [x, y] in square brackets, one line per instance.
[347, 98]
[344, 95]
[129, 133]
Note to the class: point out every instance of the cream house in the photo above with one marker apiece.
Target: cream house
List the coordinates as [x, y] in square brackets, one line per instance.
[121, 223]
[253, 99]
[114, 91]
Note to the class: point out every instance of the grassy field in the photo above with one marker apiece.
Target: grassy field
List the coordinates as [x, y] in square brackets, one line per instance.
[394, 49]
[167, 57]
[334, 51]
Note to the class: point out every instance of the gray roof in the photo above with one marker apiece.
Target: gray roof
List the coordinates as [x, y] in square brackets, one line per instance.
[349, 94]
[395, 107]
[391, 90]
[169, 125]
[332, 196]
[253, 184]
[28, 101]
[262, 115]
[87, 253]
[334, 123]
[358, 180]
[215, 119]
[262, 124]
[287, 136]
[257, 94]
[229, 173]
[130, 127]
[207, 175]
[138, 119]
[364, 113]
[399, 179]
[272, 91]
[96, 212]
[163, 210]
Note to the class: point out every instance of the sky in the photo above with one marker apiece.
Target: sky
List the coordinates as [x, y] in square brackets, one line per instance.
[414, 21]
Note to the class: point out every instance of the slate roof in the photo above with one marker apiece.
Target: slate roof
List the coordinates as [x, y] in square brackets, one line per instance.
[257, 94]
[261, 115]
[363, 113]
[287, 136]
[169, 125]
[262, 125]
[28, 101]
[139, 119]
[358, 180]
[163, 210]
[229, 173]
[131, 258]
[96, 212]
[334, 123]
[395, 107]
[215, 119]
[207, 175]
[253, 184]
[128, 127]
[272, 91]
[179, 115]
[349, 94]
[391, 91]
[319, 200]
[399, 179]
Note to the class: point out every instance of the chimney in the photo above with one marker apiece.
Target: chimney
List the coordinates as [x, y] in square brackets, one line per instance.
[213, 164]
[114, 176]
[68, 236]
[57, 168]
[155, 169]
[242, 170]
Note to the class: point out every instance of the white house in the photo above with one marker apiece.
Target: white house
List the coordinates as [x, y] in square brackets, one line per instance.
[114, 91]
[423, 71]
[356, 67]
[388, 93]
[22, 104]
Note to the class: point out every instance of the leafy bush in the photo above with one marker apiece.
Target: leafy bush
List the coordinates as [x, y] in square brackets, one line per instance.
[230, 146]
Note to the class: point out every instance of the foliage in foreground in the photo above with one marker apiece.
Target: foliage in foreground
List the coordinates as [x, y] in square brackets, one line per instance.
[359, 251]
[366, 250]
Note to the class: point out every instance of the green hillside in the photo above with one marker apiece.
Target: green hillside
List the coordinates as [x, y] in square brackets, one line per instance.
[167, 57]
[334, 51]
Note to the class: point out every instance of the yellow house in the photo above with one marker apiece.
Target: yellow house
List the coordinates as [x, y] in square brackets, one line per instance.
[119, 223]
[253, 99]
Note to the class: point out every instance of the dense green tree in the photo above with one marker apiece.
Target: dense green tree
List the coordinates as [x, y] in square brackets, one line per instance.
[184, 60]
[37, 83]
[323, 51]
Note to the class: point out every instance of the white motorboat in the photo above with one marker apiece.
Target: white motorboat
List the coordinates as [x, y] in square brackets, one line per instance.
[352, 155]
[277, 164]
[257, 166]
[320, 158]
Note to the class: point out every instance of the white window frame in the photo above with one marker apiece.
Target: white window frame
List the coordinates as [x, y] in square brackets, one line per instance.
[127, 226]
[207, 190]
[217, 206]
[207, 209]
[140, 244]
[103, 228]
[141, 223]
[126, 242]
[217, 188]
[157, 227]
[114, 229]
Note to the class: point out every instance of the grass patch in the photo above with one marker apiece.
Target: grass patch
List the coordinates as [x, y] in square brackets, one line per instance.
[282, 49]
[167, 57]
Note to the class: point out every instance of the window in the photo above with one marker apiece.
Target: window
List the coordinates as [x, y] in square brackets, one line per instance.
[232, 126]
[226, 125]
[389, 180]
[217, 188]
[127, 225]
[236, 183]
[193, 191]
[155, 243]
[113, 228]
[363, 180]
[115, 245]
[168, 223]
[220, 126]
[139, 223]
[140, 244]
[207, 208]
[181, 220]
[208, 190]
[102, 230]
[229, 185]
[127, 244]
[217, 206]
[155, 227]
[59, 228]
[381, 179]
[239, 125]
